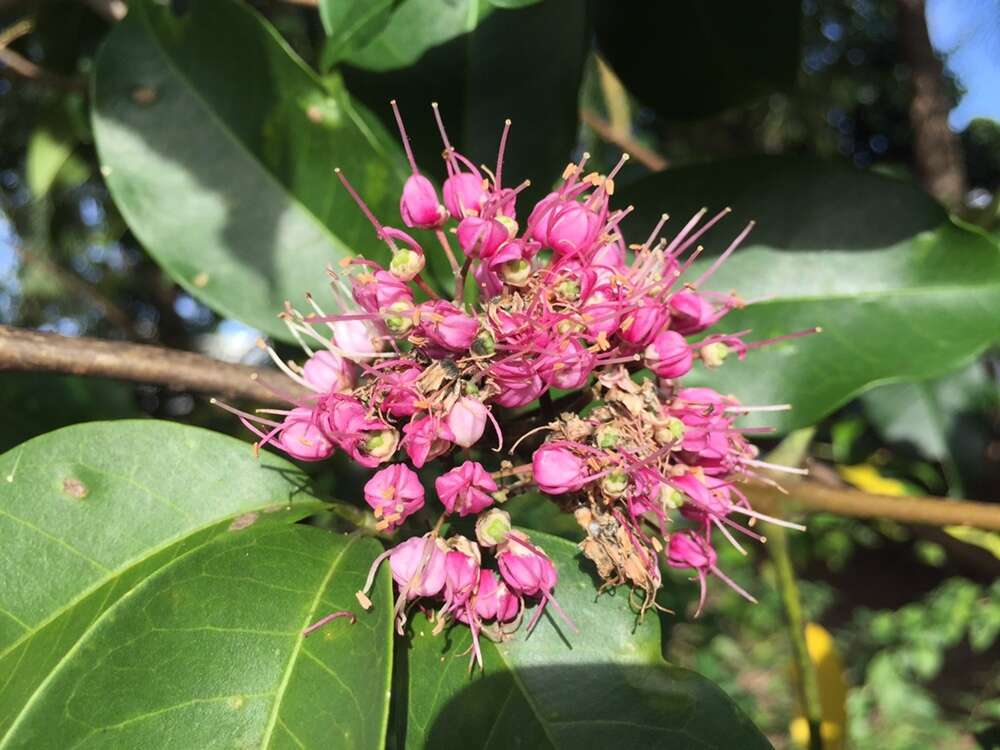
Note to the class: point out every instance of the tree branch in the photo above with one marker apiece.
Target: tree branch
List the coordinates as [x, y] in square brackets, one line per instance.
[926, 511]
[25, 67]
[32, 351]
[935, 146]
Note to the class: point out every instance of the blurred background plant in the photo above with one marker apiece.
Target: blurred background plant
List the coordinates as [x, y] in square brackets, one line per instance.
[912, 613]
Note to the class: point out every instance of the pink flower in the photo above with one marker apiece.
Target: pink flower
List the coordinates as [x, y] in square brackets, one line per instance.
[461, 574]
[447, 326]
[569, 369]
[465, 489]
[464, 195]
[480, 238]
[494, 601]
[356, 339]
[395, 494]
[328, 372]
[467, 421]
[643, 323]
[557, 470]
[519, 382]
[377, 291]
[398, 391]
[419, 204]
[669, 356]
[367, 440]
[301, 438]
[426, 438]
[418, 567]
[526, 570]
[571, 228]
[691, 313]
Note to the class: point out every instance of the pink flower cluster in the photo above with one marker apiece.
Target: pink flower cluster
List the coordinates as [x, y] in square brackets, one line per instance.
[399, 371]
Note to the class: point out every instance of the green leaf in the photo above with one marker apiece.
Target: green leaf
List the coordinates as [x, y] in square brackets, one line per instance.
[605, 686]
[48, 153]
[689, 60]
[221, 156]
[482, 65]
[350, 25]
[946, 420]
[900, 291]
[90, 512]
[209, 652]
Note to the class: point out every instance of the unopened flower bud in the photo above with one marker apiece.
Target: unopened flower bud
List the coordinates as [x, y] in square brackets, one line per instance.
[419, 205]
[467, 421]
[669, 356]
[406, 264]
[493, 527]
[525, 568]
[302, 439]
[557, 470]
[464, 195]
[568, 290]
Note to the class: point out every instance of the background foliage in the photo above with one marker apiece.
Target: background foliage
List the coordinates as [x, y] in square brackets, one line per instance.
[168, 178]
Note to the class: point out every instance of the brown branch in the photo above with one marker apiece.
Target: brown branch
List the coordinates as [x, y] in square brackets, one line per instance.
[935, 147]
[27, 69]
[927, 511]
[645, 156]
[32, 351]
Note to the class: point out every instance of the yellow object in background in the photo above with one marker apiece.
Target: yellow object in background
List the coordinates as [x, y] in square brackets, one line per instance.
[832, 692]
[867, 478]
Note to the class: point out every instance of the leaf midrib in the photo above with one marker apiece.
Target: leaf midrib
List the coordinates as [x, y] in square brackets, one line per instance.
[293, 656]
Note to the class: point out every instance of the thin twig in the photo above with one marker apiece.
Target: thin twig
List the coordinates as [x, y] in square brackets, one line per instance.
[32, 351]
[24, 67]
[927, 511]
[643, 154]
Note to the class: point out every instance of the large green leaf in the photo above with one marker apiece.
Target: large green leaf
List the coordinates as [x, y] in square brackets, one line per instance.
[483, 65]
[90, 512]
[900, 291]
[209, 653]
[350, 25]
[694, 59]
[605, 686]
[220, 157]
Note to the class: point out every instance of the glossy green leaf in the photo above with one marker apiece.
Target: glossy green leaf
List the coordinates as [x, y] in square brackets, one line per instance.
[90, 512]
[946, 419]
[350, 25]
[900, 291]
[694, 59]
[221, 156]
[209, 653]
[483, 65]
[606, 686]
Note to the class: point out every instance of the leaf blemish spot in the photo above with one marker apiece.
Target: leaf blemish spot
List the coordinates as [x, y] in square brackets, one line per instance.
[236, 702]
[200, 280]
[144, 95]
[241, 522]
[74, 488]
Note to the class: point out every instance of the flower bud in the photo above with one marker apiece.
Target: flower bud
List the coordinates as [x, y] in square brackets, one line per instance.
[607, 437]
[557, 470]
[688, 550]
[426, 438]
[418, 567]
[572, 228]
[466, 489]
[480, 238]
[394, 494]
[467, 421]
[406, 264]
[690, 312]
[328, 372]
[494, 600]
[419, 205]
[492, 527]
[669, 356]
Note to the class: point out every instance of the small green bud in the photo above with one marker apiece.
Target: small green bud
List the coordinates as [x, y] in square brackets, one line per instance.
[715, 354]
[493, 527]
[509, 224]
[516, 272]
[406, 264]
[671, 498]
[568, 290]
[381, 444]
[403, 321]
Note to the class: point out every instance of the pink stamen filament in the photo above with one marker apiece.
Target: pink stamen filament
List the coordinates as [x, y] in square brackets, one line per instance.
[329, 618]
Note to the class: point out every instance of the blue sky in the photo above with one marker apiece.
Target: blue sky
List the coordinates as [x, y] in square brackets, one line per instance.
[967, 33]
